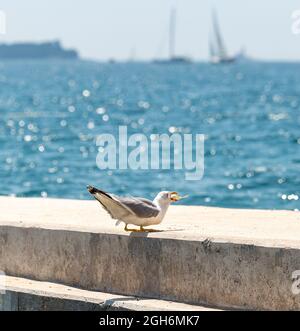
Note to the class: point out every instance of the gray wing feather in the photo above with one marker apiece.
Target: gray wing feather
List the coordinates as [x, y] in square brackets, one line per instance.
[150, 203]
[141, 207]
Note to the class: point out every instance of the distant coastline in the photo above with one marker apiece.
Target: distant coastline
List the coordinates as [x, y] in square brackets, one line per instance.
[43, 50]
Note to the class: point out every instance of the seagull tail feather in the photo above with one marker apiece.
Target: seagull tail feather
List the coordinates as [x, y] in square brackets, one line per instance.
[93, 190]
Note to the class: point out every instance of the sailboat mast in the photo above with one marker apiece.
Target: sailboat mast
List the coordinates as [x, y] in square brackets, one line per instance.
[219, 40]
[172, 33]
[212, 51]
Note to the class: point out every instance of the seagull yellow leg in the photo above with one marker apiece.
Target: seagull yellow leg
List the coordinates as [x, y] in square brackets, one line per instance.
[142, 229]
[130, 230]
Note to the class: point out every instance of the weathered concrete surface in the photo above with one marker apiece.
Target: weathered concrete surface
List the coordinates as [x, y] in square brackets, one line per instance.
[247, 263]
[24, 294]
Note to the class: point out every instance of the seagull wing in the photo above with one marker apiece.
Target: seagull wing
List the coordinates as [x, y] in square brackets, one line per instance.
[141, 207]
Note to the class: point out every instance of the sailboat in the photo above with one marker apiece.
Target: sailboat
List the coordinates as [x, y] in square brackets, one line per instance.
[217, 49]
[173, 58]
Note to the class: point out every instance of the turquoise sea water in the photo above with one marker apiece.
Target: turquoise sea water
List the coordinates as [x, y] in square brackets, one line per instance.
[51, 113]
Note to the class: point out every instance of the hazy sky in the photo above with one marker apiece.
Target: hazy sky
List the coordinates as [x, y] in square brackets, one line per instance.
[102, 29]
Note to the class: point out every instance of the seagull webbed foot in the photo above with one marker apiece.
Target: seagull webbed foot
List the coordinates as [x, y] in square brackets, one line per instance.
[130, 230]
[151, 230]
[142, 229]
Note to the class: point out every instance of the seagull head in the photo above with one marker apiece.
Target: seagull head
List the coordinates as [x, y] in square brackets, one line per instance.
[167, 196]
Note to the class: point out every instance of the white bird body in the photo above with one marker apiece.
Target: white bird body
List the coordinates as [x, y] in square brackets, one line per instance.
[161, 205]
[136, 211]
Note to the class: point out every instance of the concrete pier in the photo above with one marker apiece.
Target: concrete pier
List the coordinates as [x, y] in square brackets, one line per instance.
[28, 295]
[218, 257]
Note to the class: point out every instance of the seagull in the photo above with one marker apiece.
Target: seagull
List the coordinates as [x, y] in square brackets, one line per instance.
[138, 211]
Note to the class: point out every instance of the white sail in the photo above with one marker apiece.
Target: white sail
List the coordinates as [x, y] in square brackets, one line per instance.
[218, 52]
[173, 57]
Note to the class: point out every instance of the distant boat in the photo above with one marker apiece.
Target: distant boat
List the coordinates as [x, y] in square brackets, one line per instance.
[217, 49]
[173, 58]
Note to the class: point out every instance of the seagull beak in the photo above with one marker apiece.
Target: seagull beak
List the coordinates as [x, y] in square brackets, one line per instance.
[176, 197]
